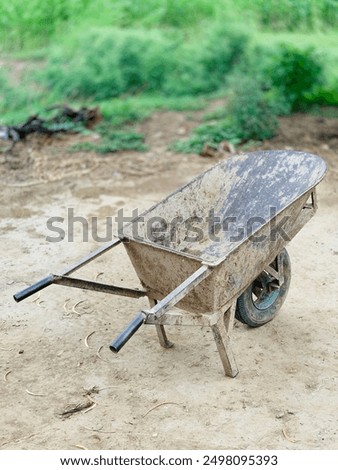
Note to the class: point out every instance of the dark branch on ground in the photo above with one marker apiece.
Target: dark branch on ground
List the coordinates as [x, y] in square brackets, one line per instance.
[66, 119]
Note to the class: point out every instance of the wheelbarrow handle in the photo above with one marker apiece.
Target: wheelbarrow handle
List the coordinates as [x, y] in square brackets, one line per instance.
[127, 333]
[47, 281]
[23, 294]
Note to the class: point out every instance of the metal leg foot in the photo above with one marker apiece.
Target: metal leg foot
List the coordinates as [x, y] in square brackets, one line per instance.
[162, 336]
[221, 330]
[161, 333]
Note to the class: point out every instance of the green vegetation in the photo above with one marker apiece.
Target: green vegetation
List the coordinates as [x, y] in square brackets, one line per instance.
[129, 58]
[296, 74]
[251, 112]
[12, 98]
[124, 111]
[211, 134]
[112, 141]
[106, 63]
[24, 24]
[257, 94]
[296, 14]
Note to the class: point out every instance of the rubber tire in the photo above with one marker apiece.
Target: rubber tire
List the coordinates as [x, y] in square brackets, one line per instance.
[246, 310]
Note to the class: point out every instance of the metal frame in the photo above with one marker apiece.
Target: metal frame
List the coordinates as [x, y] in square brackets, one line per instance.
[220, 316]
[220, 321]
[64, 279]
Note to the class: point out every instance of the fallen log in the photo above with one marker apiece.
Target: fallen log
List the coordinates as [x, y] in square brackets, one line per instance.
[66, 119]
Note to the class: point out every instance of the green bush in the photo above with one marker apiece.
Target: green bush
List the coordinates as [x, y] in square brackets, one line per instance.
[30, 23]
[296, 73]
[250, 115]
[202, 65]
[105, 63]
[251, 109]
[187, 75]
[326, 95]
[223, 48]
[109, 62]
[211, 134]
[329, 12]
[289, 14]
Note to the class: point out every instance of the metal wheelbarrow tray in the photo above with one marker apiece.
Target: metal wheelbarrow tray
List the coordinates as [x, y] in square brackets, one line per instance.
[215, 247]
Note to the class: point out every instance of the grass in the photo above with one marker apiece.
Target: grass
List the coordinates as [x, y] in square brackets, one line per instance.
[24, 25]
[131, 58]
[211, 134]
[119, 112]
[112, 141]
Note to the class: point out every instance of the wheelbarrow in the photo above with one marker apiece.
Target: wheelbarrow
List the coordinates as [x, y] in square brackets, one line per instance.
[214, 248]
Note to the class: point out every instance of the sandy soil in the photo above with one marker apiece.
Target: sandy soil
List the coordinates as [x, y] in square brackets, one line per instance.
[54, 349]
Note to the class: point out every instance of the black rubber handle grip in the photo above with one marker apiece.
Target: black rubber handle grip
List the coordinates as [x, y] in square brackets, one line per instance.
[23, 294]
[127, 333]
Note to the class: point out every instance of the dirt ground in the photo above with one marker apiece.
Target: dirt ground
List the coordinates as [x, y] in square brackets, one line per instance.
[54, 348]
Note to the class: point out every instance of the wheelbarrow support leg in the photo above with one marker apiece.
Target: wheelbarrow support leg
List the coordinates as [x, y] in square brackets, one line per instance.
[221, 328]
[162, 336]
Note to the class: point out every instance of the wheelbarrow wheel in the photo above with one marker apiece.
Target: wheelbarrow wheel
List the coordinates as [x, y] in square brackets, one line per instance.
[261, 301]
